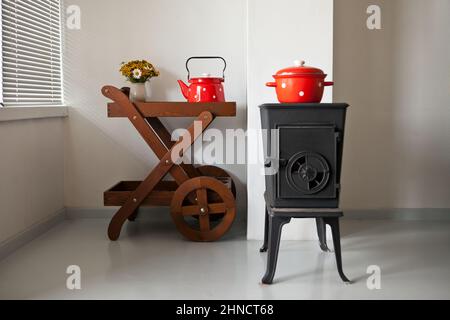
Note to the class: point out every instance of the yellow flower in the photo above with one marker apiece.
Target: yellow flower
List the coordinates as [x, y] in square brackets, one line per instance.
[138, 71]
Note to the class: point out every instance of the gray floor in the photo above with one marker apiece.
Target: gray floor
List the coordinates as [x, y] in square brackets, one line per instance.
[151, 261]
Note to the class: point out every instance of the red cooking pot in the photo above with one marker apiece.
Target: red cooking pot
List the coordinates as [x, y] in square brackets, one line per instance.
[300, 84]
[205, 88]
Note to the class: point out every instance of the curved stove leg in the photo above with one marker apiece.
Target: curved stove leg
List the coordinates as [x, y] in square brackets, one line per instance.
[275, 227]
[322, 233]
[266, 232]
[334, 224]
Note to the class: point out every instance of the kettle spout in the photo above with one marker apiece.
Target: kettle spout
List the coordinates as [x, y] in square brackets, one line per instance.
[184, 88]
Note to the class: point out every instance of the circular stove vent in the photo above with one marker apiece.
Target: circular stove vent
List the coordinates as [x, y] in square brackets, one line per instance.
[308, 172]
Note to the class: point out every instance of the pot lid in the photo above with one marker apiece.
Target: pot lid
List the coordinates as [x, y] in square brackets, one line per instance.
[298, 69]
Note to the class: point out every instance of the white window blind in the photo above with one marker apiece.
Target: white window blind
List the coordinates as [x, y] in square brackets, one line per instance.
[31, 52]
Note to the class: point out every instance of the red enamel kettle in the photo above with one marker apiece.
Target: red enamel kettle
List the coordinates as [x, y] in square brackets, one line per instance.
[205, 88]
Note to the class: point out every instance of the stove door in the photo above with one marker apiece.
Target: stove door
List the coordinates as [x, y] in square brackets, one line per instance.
[307, 162]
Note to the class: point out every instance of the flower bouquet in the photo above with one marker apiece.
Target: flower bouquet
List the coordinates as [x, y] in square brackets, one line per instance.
[138, 72]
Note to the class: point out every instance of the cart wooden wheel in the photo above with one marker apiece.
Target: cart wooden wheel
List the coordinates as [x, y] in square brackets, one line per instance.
[213, 198]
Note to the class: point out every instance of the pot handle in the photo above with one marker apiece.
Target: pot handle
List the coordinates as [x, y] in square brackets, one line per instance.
[203, 58]
[271, 84]
[328, 83]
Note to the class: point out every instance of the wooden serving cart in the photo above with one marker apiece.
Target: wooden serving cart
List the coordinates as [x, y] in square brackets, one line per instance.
[201, 199]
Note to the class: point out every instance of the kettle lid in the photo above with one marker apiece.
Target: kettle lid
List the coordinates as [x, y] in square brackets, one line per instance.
[299, 68]
[206, 78]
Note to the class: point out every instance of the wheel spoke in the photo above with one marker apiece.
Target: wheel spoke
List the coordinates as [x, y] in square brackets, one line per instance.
[190, 210]
[204, 223]
[202, 200]
[202, 197]
[217, 208]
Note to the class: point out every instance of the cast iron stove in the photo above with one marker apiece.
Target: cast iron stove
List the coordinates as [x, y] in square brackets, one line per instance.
[303, 148]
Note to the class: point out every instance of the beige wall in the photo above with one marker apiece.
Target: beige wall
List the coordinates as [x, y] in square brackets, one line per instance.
[101, 151]
[32, 173]
[397, 80]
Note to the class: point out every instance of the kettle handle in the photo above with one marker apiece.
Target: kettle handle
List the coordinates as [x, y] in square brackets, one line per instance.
[203, 58]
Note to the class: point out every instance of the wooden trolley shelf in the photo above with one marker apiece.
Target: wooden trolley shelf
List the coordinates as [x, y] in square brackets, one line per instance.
[161, 196]
[206, 194]
[175, 109]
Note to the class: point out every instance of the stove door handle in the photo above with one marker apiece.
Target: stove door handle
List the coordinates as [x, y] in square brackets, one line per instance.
[282, 162]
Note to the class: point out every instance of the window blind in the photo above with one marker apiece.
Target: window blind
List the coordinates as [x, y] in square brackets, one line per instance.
[31, 52]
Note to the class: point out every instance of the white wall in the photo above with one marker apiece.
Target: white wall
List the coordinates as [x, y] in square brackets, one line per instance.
[397, 152]
[102, 151]
[32, 173]
[280, 32]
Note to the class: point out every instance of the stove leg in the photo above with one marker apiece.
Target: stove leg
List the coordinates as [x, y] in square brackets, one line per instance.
[334, 224]
[322, 232]
[275, 227]
[266, 232]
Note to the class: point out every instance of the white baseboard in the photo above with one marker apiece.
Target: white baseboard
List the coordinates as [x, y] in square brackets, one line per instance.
[10, 245]
[305, 229]
[146, 213]
[73, 213]
[416, 214]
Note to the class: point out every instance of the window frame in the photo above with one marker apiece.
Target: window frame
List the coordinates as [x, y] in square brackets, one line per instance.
[60, 102]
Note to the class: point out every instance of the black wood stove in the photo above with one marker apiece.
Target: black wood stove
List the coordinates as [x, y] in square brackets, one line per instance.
[303, 150]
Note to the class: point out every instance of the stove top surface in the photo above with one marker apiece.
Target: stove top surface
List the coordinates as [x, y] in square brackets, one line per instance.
[294, 106]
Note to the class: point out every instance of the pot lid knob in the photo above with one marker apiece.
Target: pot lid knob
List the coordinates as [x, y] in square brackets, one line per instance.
[299, 63]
